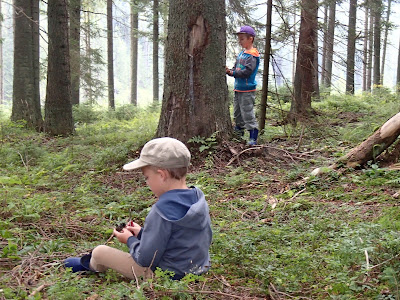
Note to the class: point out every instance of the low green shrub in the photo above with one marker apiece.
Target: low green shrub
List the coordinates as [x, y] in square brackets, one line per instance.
[85, 113]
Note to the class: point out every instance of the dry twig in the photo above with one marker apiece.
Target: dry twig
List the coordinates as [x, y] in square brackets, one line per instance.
[136, 279]
[292, 156]
[39, 289]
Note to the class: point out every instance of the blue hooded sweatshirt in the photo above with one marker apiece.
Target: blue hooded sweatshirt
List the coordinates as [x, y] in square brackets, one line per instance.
[245, 70]
[176, 235]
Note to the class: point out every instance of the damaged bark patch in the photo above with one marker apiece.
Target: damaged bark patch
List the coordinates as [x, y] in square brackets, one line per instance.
[198, 35]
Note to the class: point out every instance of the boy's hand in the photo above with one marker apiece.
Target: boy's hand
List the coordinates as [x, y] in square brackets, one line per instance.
[228, 71]
[123, 236]
[134, 228]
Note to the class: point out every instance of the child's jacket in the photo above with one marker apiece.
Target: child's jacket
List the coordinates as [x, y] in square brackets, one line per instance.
[245, 70]
[176, 234]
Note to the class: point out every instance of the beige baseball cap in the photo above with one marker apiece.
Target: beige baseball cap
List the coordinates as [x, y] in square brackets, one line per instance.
[162, 152]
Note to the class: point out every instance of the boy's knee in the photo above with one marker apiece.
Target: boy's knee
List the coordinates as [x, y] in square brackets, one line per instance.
[97, 261]
[99, 251]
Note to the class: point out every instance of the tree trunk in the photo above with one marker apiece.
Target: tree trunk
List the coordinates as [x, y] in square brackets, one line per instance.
[58, 109]
[385, 39]
[195, 99]
[75, 48]
[1, 59]
[264, 96]
[398, 71]
[324, 44]
[26, 97]
[330, 43]
[365, 51]
[351, 47]
[110, 56]
[304, 87]
[294, 41]
[134, 50]
[315, 66]
[370, 51]
[88, 61]
[155, 51]
[377, 7]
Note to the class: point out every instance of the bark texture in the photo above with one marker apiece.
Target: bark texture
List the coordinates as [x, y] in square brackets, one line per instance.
[195, 99]
[58, 109]
[1, 60]
[330, 43]
[398, 71]
[134, 50]
[370, 52]
[156, 84]
[75, 48]
[385, 39]
[377, 11]
[324, 44]
[26, 96]
[306, 71]
[264, 96]
[365, 50]
[351, 47]
[110, 55]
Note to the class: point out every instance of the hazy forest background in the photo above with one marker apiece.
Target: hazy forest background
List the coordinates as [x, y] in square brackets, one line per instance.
[286, 19]
[311, 212]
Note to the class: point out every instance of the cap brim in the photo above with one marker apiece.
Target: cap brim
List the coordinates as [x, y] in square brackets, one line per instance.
[245, 33]
[136, 164]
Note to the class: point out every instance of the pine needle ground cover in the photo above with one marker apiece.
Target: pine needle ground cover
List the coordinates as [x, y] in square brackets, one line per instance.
[279, 233]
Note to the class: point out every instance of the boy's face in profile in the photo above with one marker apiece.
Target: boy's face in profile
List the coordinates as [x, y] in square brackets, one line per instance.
[154, 179]
[245, 41]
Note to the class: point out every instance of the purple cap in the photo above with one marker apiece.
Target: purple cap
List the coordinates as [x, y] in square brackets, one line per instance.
[247, 29]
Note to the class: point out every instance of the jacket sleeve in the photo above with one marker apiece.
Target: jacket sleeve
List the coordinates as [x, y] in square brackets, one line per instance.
[148, 251]
[249, 64]
[233, 69]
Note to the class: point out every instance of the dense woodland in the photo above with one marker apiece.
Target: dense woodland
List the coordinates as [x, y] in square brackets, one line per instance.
[308, 39]
[311, 212]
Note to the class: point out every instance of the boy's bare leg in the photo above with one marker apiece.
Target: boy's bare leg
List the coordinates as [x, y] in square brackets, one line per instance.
[105, 257]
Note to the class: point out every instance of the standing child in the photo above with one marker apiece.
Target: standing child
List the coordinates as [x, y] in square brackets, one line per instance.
[176, 235]
[245, 71]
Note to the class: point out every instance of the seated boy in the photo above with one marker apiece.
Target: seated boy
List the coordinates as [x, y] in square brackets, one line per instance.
[176, 235]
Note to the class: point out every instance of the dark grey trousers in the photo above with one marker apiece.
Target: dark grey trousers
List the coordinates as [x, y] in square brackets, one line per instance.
[243, 110]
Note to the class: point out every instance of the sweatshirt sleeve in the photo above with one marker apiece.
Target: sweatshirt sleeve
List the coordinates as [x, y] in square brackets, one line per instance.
[249, 64]
[148, 251]
[233, 69]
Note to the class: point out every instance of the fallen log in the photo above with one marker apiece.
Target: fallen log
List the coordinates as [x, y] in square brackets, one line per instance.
[371, 148]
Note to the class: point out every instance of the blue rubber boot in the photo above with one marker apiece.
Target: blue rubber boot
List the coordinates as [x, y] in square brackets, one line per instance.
[78, 264]
[253, 137]
[239, 130]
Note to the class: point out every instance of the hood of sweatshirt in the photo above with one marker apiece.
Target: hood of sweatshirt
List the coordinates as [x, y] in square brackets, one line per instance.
[184, 207]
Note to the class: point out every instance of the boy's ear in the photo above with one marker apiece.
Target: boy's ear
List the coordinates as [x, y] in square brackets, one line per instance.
[164, 173]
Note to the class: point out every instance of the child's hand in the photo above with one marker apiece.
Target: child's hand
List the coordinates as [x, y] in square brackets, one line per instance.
[134, 228]
[228, 71]
[123, 236]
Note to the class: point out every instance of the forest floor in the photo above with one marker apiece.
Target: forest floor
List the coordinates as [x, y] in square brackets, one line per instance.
[278, 232]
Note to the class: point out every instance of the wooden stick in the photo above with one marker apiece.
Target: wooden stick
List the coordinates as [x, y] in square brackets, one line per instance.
[38, 289]
[110, 238]
[136, 279]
